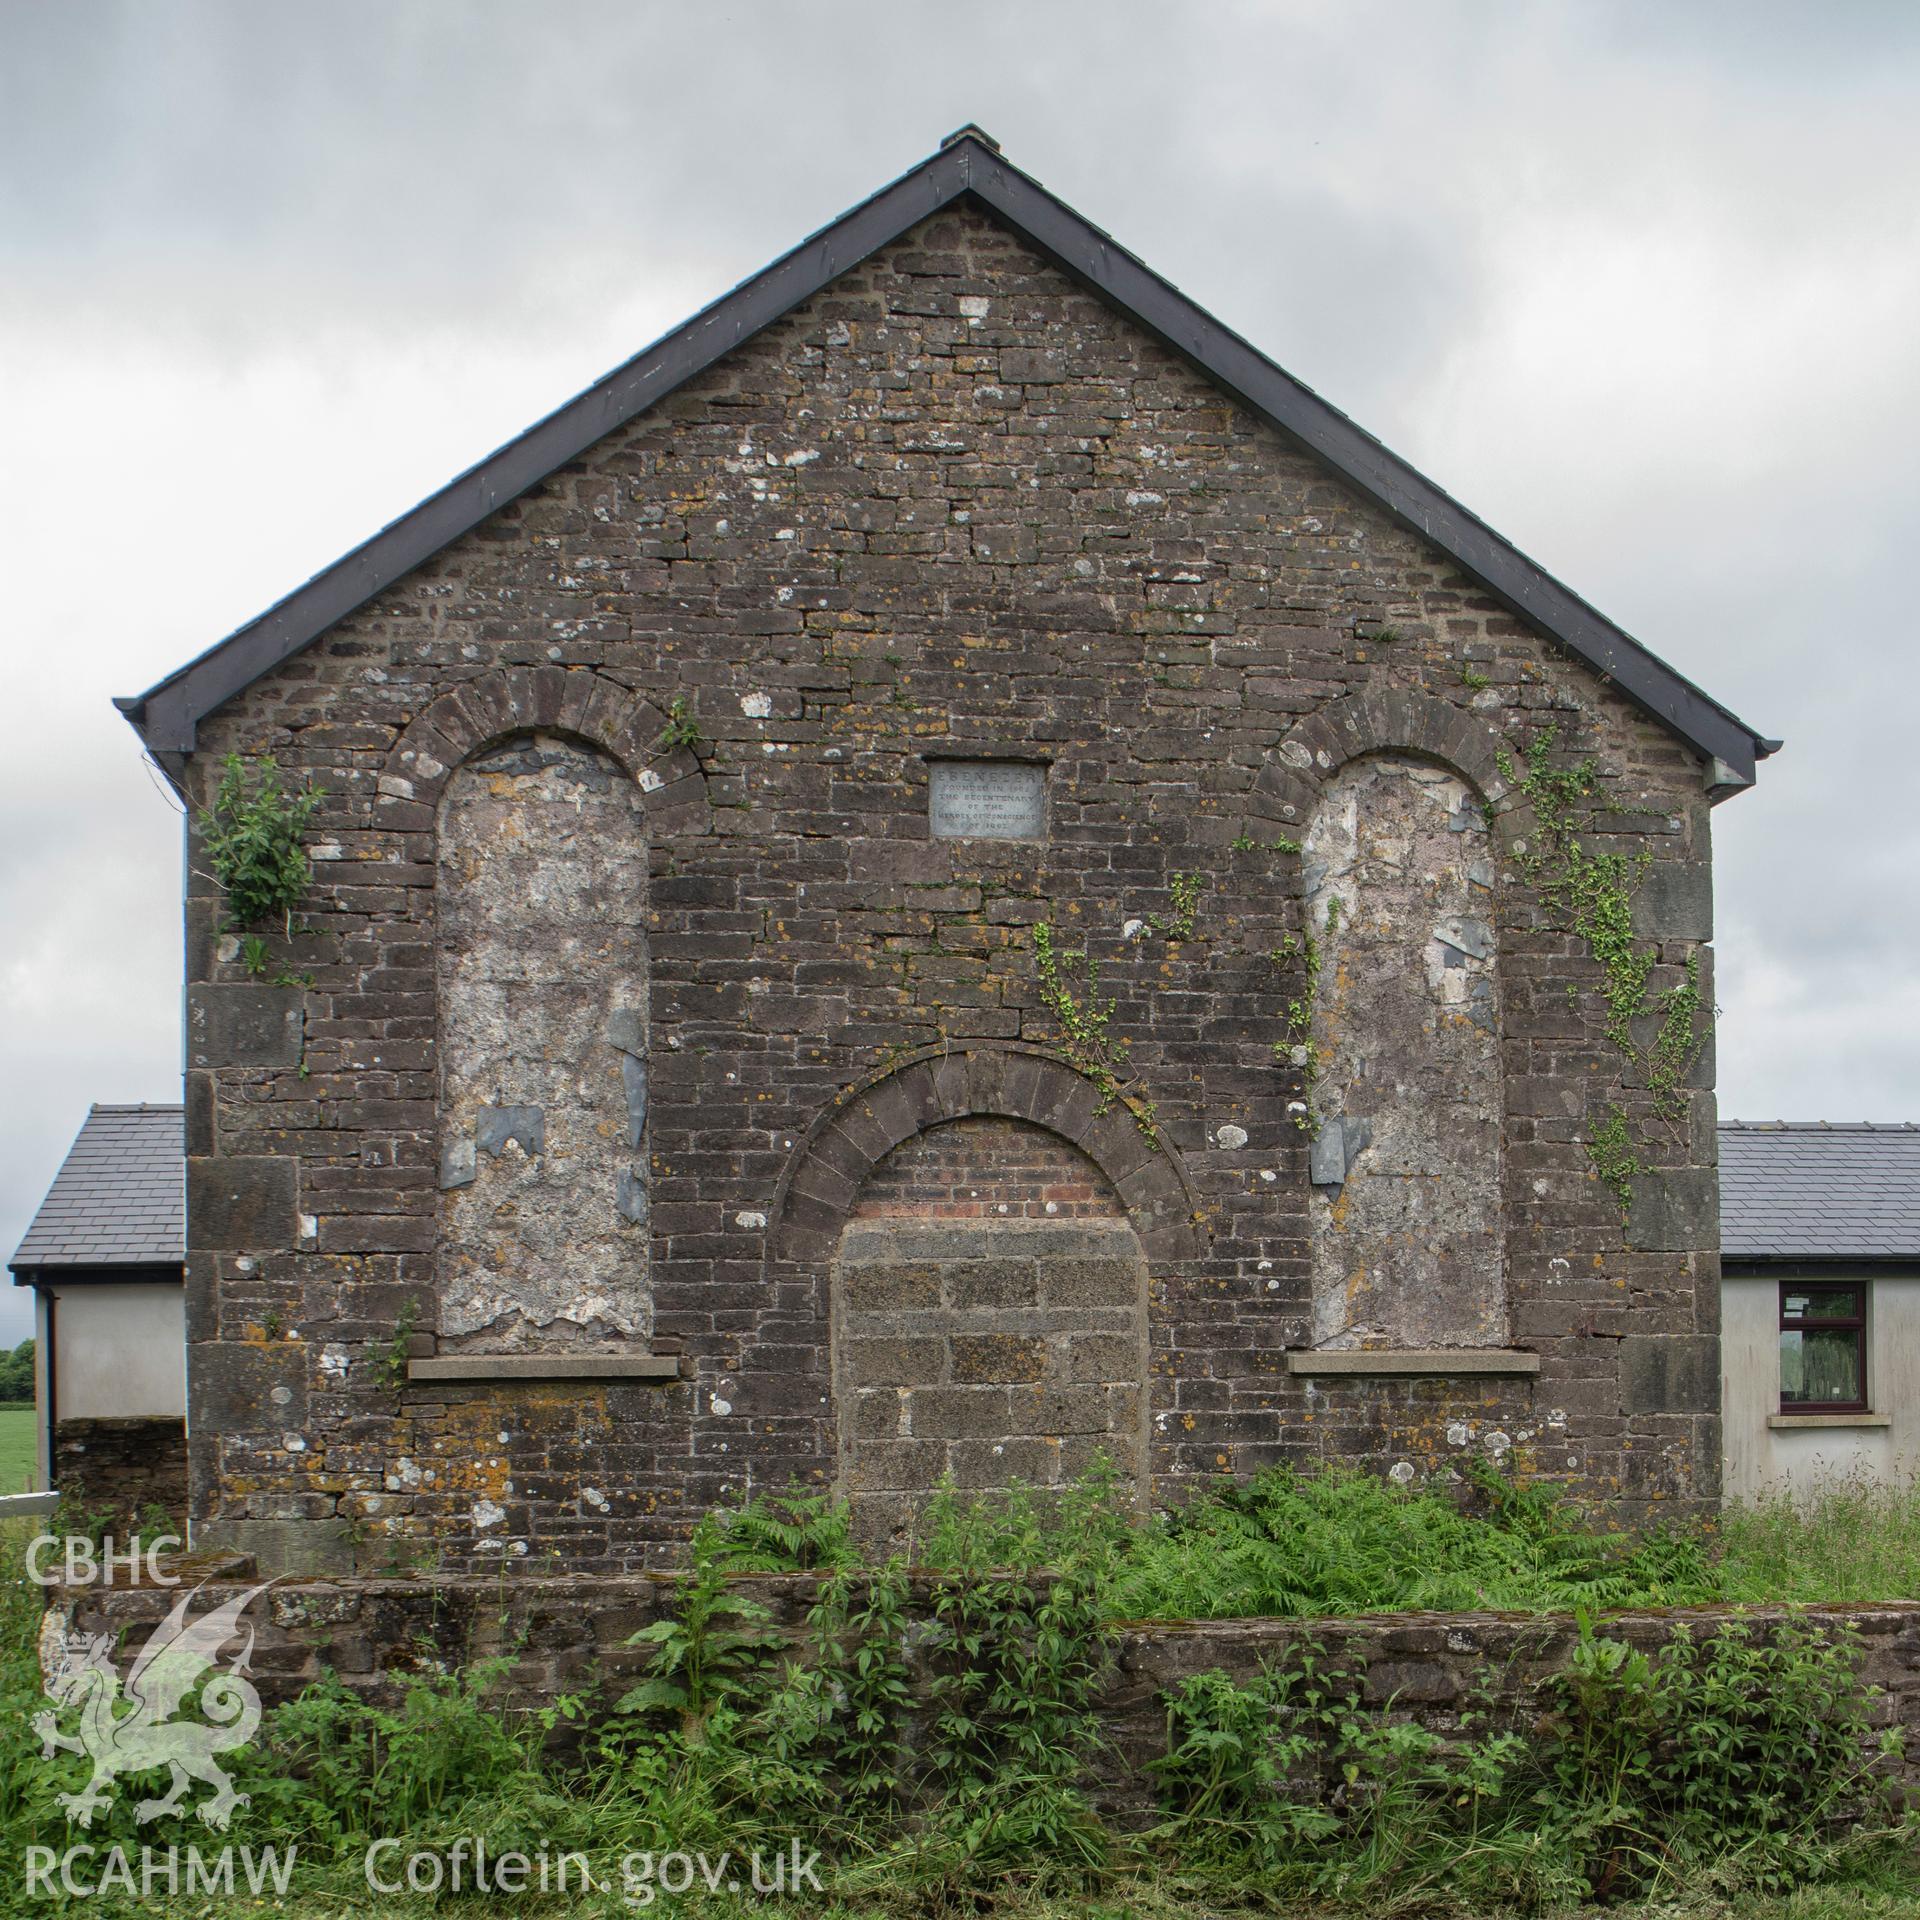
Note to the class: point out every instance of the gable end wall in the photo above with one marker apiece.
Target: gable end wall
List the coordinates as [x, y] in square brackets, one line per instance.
[953, 504]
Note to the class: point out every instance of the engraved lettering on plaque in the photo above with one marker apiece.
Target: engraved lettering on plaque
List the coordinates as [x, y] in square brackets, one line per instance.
[987, 800]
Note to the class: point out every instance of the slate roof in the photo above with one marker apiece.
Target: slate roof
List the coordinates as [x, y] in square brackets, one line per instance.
[119, 1199]
[968, 167]
[1819, 1190]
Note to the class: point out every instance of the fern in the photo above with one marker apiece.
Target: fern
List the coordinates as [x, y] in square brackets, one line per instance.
[797, 1531]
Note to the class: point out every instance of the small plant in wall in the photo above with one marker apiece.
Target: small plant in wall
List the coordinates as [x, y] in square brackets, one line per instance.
[254, 834]
[682, 728]
[1296, 1047]
[392, 1361]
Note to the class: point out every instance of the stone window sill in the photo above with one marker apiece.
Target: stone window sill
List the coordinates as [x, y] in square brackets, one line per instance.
[544, 1366]
[1829, 1419]
[1457, 1360]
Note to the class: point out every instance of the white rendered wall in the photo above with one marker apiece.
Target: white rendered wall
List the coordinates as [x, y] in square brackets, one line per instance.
[120, 1351]
[1763, 1456]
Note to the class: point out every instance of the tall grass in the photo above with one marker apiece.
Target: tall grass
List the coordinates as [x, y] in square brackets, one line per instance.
[1848, 1543]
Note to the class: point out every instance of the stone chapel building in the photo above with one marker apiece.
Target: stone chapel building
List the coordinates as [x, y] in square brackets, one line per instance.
[941, 874]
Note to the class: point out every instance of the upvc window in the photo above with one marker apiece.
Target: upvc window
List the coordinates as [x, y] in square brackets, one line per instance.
[1823, 1347]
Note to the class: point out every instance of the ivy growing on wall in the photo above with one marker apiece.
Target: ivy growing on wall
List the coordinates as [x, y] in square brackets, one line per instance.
[1069, 982]
[1296, 1046]
[1178, 925]
[1085, 1019]
[1591, 894]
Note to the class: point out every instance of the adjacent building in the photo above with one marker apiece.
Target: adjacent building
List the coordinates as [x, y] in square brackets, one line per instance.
[1820, 1338]
[105, 1256]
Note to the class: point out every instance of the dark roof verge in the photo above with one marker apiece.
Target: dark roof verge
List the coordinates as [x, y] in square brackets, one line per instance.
[1819, 1190]
[167, 714]
[119, 1199]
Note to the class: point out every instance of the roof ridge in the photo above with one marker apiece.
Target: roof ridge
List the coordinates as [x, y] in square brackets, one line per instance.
[167, 714]
[1819, 1126]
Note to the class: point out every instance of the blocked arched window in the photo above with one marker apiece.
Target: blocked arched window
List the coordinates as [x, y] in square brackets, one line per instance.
[1405, 1216]
[989, 1322]
[541, 968]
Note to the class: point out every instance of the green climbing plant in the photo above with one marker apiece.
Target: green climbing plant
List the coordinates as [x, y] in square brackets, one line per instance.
[1179, 924]
[1591, 894]
[1295, 1047]
[1085, 1020]
[1610, 1148]
[1677, 1041]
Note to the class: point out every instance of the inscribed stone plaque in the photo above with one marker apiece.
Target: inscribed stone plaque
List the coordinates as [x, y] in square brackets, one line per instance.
[987, 800]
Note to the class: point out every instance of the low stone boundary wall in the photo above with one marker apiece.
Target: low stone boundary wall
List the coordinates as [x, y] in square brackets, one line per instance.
[1436, 1668]
[564, 1634]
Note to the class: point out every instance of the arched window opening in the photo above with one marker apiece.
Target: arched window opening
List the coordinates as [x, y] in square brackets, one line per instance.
[542, 986]
[1405, 1215]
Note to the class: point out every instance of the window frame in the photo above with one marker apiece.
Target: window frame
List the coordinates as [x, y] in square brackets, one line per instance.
[1855, 1323]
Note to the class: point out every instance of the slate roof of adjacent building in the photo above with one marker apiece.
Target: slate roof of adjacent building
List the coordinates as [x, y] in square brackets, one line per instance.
[1819, 1190]
[119, 1199]
[968, 167]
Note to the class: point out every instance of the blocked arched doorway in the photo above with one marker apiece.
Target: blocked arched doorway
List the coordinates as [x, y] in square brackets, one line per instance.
[989, 1321]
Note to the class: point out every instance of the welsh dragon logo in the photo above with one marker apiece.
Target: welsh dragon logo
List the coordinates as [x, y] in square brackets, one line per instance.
[129, 1726]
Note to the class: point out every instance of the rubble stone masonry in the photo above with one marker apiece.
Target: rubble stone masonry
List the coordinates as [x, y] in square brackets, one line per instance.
[1456, 1674]
[123, 1472]
[953, 508]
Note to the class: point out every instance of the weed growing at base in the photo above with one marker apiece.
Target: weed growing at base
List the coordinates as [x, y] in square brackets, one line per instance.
[935, 1737]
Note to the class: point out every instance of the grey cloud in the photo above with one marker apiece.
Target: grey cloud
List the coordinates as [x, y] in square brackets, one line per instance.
[348, 248]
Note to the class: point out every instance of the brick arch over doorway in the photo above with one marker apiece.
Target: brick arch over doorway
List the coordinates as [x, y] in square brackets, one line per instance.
[984, 1238]
[827, 1169]
[988, 1323]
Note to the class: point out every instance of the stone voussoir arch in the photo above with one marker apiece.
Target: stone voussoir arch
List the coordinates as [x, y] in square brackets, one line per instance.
[579, 701]
[825, 1172]
[1379, 720]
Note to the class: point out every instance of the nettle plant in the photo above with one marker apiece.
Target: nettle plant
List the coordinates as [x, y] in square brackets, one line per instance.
[254, 835]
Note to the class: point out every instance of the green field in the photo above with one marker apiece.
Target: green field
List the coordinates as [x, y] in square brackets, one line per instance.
[17, 1426]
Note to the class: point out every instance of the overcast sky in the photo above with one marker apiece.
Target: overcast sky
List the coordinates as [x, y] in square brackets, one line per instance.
[1638, 283]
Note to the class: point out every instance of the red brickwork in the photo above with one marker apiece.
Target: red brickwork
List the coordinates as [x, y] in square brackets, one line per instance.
[988, 1169]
